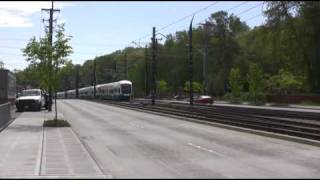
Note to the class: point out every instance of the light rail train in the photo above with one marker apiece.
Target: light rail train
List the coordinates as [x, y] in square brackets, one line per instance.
[120, 90]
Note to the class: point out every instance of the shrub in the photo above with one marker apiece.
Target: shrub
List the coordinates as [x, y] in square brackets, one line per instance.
[256, 83]
[235, 84]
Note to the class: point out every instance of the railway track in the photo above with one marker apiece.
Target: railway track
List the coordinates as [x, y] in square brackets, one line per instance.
[260, 112]
[307, 127]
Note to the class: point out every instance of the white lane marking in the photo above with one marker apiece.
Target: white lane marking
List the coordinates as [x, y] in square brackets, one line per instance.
[206, 149]
[136, 125]
[229, 176]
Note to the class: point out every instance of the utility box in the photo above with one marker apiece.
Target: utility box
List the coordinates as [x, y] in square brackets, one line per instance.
[7, 86]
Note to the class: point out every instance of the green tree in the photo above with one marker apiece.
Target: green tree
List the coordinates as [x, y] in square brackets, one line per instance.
[66, 76]
[235, 84]
[197, 87]
[284, 83]
[162, 87]
[297, 25]
[225, 48]
[48, 59]
[256, 82]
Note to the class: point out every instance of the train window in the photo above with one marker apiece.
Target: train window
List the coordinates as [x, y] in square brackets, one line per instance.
[126, 88]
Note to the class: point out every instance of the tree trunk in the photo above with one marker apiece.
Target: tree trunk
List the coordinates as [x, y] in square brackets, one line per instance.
[55, 107]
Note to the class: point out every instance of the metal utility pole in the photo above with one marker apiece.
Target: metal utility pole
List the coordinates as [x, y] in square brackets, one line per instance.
[77, 81]
[126, 65]
[114, 71]
[51, 11]
[190, 64]
[205, 58]
[153, 70]
[94, 78]
[147, 79]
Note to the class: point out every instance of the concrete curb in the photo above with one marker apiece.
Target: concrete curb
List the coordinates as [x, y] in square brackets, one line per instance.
[85, 148]
[40, 154]
[88, 151]
[241, 129]
[90, 154]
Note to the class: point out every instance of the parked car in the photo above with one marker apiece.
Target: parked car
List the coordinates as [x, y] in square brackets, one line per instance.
[204, 99]
[31, 98]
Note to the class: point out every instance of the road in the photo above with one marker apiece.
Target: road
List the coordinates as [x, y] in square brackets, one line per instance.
[132, 144]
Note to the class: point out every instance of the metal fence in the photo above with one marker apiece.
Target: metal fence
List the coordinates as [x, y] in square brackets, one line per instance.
[5, 115]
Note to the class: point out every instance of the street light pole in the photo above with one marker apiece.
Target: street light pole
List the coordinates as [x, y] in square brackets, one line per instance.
[51, 11]
[190, 64]
[94, 79]
[153, 92]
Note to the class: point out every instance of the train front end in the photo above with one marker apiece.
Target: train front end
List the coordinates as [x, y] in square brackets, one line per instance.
[126, 90]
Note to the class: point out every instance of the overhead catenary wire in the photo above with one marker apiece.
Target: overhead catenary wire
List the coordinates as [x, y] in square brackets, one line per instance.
[177, 21]
[83, 44]
[20, 48]
[236, 6]
[227, 10]
[183, 18]
[249, 9]
[253, 17]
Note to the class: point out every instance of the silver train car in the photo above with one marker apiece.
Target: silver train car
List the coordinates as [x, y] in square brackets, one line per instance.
[120, 90]
[71, 94]
[86, 92]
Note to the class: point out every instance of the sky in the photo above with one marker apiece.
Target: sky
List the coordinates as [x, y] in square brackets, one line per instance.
[102, 27]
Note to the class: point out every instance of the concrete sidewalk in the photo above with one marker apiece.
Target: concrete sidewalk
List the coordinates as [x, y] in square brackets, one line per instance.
[30, 151]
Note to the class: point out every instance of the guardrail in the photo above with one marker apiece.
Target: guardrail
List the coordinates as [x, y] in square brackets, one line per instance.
[5, 115]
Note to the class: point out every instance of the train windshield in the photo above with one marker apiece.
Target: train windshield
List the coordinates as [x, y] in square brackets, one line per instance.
[126, 88]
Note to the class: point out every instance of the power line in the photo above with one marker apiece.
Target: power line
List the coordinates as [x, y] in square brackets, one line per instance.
[13, 39]
[187, 16]
[181, 19]
[84, 44]
[249, 9]
[237, 6]
[253, 17]
[10, 47]
[2, 53]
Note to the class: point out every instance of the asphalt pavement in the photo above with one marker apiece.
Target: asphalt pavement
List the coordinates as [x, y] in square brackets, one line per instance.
[130, 144]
